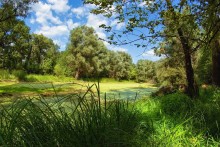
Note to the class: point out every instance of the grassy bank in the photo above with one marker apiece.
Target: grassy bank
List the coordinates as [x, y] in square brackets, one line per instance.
[91, 119]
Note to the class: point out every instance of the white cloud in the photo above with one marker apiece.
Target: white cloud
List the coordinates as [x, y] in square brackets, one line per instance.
[80, 11]
[32, 20]
[117, 48]
[117, 25]
[72, 25]
[83, 11]
[150, 55]
[53, 31]
[95, 21]
[59, 5]
[44, 15]
[146, 3]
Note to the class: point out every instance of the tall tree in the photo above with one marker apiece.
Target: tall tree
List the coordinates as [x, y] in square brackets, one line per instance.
[86, 53]
[13, 44]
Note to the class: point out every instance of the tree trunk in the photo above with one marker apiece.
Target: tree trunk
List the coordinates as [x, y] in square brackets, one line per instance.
[27, 61]
[77, 74]
[192, 89]
[216, 63]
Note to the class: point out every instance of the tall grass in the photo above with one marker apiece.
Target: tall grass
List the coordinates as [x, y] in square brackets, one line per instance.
[5, 75]
[91, 119]
[75, 120]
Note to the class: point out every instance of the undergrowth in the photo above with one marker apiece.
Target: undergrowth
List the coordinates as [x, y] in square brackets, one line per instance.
[87, 119]
[74, 120]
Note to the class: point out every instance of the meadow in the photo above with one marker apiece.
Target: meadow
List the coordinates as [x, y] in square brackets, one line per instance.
[48, 112]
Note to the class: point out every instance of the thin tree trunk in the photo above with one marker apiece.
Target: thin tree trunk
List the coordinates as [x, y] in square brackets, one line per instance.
[216, 63]
[77, 74]
[27, 62]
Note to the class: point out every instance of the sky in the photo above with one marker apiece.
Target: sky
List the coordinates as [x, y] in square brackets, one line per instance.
[56, 18]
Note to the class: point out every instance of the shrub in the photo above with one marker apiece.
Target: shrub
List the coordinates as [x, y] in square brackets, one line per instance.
[20, 75]
[177, 104]
[4, 74]
[207, 111]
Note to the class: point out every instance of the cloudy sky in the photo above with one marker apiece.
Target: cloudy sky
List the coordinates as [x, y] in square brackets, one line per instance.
[55, 19]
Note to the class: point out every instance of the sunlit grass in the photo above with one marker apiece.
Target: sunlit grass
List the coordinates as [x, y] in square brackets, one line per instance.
[28, 88]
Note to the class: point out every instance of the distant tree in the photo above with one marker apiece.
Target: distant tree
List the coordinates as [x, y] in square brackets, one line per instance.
[43, 55]
[86, 53]
[14, 42]
[120, 65]
[170, 69]
[133, 72]
[145, 71]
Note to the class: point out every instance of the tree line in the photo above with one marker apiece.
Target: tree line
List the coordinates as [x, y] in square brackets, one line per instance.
[85, 56]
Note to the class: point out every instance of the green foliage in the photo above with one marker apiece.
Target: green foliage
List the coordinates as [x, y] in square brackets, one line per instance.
[176, 104]
[43, 55]
[120, 65]
[20, 75]
[86, 54]
[5, 75]
[168, 73]
[204, 66]
[145, 71]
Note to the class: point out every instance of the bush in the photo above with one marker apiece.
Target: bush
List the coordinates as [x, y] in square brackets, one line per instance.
[177, 104]
[207, 111]
[4, 74]
[20, 75]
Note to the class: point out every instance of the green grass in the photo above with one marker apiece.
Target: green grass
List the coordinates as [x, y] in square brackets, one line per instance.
[48, 78]
[83, 114]
[126, 89]
[89, 121]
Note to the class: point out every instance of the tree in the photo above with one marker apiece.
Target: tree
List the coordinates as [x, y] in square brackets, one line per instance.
[10, 9]
[212, 25]
[14, 34]
[140, 15]
[122, 65]
[14, 43]
[145, 71]
[43, 55]
[86, 53]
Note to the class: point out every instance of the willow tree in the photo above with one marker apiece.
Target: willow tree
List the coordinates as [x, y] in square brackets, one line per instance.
[86, 53]
[144, 20]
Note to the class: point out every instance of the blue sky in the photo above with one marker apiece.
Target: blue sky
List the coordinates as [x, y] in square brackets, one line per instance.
[55, 19]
